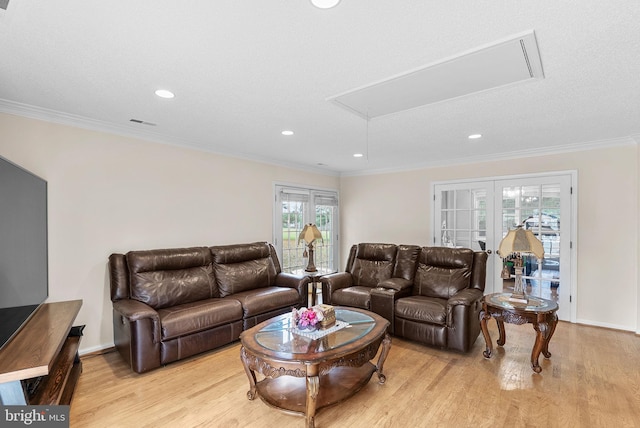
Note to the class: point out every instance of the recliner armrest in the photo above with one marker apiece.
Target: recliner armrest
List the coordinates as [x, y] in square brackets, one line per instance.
[134, 310]
[301, 284]
[397, 284]
[383, 302]
[285, 279]
[333, 282]
[136, 334]
[465, 297]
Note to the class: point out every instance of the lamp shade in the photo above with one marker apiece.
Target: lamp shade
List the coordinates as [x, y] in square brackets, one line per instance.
[309, 233]
[520, 240]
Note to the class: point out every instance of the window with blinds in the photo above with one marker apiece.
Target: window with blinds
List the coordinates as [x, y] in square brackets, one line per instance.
[295, 207]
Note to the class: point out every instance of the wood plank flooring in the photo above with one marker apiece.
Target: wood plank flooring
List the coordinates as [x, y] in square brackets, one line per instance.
[591, 380]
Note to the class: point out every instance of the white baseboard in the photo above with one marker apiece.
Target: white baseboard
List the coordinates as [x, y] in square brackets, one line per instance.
[606, 325]
[93, 349]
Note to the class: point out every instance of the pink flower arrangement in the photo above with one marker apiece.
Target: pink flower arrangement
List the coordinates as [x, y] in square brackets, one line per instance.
[307, 317]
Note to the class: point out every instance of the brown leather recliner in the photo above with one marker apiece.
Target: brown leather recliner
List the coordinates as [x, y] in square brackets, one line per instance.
[444, 306]
[170, 304]
[375, 275]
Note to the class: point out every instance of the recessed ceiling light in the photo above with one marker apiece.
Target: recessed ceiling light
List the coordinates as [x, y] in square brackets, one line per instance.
[475, 136]
[287, 132]
[357, 155]
[163, 93]
[325, 4]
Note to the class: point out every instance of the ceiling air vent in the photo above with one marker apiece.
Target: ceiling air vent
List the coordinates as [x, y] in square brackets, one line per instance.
[142, 122]
[507, 62]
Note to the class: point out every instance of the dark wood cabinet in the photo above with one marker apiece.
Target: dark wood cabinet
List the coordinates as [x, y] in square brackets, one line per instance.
[40, 365]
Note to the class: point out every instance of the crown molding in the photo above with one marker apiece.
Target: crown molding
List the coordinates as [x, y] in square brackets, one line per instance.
[48, 115]
[54, 116]
[519, 154]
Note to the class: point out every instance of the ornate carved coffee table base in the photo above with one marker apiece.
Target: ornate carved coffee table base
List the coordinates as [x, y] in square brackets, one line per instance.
[295, 387]
[303, 383]
[539, 312]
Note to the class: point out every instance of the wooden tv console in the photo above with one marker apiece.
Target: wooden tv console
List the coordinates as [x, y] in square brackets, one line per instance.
[40, 365]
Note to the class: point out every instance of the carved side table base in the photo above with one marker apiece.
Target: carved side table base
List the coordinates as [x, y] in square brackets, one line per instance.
[539, 312]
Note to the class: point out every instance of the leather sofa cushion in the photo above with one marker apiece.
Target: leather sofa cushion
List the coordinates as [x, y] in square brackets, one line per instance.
[163, 278]
[373, 263]
[356, 296]
[194, 317]
[406, 262]
[243, 267]
[266, 299]
[442, 272]
[422, 309]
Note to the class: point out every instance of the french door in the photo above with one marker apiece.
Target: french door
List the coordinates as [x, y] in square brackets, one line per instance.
[479, 214]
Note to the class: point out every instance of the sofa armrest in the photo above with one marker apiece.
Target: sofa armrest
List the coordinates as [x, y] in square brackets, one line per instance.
[333, 282]
[463, 312]
[465, 297]
[397, 284]
[383, 301]
[134, 310]
[136, 334]
[300, 283]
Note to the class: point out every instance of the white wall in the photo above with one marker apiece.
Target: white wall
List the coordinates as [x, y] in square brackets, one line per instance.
[395, 207]
[109, 193]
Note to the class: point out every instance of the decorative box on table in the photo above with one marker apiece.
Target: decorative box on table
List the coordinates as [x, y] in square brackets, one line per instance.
[329, 314]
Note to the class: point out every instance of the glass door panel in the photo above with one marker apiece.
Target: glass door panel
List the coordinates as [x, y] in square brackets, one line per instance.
[478, 215]
[462, 218]
[538, 204]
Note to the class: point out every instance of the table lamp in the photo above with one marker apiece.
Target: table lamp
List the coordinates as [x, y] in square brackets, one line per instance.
[309, 234]
[517, 242]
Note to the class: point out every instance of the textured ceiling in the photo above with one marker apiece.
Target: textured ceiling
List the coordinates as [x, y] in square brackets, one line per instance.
[244, 70]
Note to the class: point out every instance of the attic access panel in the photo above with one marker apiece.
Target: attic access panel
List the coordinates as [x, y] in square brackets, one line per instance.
[514, 60]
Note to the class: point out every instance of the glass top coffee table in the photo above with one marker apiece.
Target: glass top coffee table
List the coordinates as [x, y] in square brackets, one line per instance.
[539, 312]
[304, 373]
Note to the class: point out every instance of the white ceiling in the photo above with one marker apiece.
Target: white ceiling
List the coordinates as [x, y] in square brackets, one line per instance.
[244, 70]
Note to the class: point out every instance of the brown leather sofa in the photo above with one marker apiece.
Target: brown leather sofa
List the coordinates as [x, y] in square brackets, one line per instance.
[169, 304]
[430, 295]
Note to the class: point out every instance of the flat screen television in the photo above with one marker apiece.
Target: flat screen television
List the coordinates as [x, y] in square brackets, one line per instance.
[24, 279]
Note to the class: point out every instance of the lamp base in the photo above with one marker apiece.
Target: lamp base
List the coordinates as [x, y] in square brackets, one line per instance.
[311, 266]
[518, 295]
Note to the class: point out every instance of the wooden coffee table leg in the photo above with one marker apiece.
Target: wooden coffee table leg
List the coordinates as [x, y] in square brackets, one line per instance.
[245, 358]
[313, 386]
[484, 317]
[386, 345]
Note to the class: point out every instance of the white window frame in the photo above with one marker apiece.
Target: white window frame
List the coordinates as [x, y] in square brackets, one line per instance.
[327, 256]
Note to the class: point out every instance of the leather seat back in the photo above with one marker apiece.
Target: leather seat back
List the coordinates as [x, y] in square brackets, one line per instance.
[406, 262]
[243, 267]
[169, 277]
[372, 263]
[443, 272]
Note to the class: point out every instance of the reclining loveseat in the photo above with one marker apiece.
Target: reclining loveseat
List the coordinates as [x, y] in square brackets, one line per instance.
[430, 295]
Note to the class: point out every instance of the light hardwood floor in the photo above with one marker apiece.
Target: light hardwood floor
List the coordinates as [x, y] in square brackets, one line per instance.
[591, 380]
